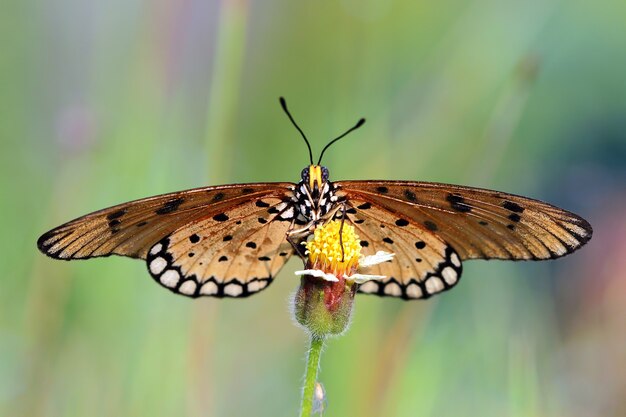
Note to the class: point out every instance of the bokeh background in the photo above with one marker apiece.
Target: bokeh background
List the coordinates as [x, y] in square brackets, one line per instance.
[104, 102]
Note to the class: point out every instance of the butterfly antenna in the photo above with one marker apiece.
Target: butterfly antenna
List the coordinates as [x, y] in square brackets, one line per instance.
[283, 103]
[356, 126]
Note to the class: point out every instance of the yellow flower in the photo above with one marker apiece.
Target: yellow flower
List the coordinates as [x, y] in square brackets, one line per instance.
[331, 253]
[332, 257]
[323, 303]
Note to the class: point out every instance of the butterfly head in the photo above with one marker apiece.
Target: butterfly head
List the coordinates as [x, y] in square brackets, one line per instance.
[315, 176]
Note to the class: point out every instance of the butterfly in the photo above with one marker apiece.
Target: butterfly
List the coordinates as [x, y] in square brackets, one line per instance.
[231, 240]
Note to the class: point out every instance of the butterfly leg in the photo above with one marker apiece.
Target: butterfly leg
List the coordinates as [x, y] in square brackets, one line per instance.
[343, 219]
[295, 237]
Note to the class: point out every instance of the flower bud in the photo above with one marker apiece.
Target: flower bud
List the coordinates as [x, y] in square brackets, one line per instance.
[324, 307]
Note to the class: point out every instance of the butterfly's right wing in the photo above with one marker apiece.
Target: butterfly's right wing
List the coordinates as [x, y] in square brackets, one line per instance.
[478, 223]
[131, 229]
[433, 227]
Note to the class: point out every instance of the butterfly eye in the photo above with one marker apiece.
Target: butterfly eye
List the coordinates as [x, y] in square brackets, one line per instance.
[325, 174]
[305, 174]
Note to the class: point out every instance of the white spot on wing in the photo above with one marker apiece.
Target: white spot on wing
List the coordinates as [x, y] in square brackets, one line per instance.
[414, 291]
[393, 289]
[188, 287]
[209, 288]
[157, 265]
[287, 214]
[369, 287]
[156, 249]
[170, 278]
[233, 290]
[454, 258]
[449, 275]
[254, 286]
[434, 285]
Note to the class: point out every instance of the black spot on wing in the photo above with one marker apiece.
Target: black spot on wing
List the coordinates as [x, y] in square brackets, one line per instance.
[420, 244]
[410, 195]
[402, 222]
[431, 226]
[511, 206]
[227, 238]
[458, 203]
[170, 206]
[261, 203]
[382, 189]
[388, 240]
[116, 214]
[514, 217]
[364, 206]
[218, 197]
[194, 238]
[251, 245]
[222, 217]
[114, 223]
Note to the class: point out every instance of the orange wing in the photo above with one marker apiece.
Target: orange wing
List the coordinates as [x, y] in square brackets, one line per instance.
[131, 229]
[477, 223]
[232, 253]
[424, 264]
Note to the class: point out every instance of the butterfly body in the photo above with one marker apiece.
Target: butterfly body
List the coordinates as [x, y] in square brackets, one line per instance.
[315, 195]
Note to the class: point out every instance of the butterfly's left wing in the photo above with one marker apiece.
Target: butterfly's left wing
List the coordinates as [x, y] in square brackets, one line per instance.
[475, 223]
[226, 241]
[130, 229]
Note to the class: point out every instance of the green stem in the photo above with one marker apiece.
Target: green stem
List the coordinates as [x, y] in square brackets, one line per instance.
[310, 377]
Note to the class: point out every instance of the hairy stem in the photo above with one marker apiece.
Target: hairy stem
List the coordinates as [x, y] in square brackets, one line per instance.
[310, 377]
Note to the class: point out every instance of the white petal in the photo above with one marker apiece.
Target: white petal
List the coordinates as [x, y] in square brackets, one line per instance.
[378, 258]
[361, 278]
[319, 274]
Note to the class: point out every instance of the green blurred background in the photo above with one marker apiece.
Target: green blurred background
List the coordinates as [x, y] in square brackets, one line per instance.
[104, 102]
